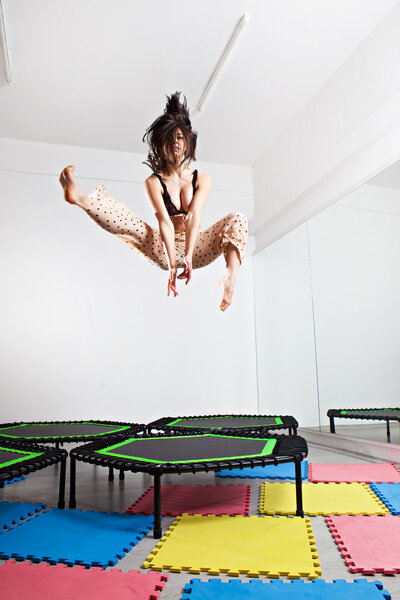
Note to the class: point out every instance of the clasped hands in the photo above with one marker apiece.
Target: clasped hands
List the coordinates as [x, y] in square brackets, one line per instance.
[186, 274]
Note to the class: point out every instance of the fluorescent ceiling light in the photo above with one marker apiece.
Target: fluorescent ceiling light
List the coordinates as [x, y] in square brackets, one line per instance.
[4, 43]
[228, 49]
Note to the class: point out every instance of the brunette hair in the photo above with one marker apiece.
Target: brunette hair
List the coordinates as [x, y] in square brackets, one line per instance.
[159, 135]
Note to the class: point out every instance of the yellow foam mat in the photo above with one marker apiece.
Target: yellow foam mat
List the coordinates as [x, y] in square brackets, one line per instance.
[321, 499]
[271, 546]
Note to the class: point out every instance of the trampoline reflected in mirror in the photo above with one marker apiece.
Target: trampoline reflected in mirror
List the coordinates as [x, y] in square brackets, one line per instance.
[328, 326]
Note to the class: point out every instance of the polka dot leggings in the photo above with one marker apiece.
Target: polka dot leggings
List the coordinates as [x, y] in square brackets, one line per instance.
[120, 220]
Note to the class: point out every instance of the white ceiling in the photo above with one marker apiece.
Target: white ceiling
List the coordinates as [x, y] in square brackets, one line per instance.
[389, 178]
[95, 72]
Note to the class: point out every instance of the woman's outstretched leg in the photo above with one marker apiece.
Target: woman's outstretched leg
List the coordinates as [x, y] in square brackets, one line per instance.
[116, 218]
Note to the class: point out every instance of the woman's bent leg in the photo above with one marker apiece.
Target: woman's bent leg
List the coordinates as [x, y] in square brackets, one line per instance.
[228, 237]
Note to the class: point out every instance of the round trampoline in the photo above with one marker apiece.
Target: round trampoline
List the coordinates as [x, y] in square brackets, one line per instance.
[182, 453]
[19, 459]
[373, 414]
[227, 424]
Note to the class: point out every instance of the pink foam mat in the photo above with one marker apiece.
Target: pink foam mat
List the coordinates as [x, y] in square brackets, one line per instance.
[196, 499]
[369, 544]
[348, 473]
[46, 582]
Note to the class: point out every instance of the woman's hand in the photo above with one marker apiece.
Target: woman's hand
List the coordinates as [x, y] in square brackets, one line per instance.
[172, 282]
[187, 271]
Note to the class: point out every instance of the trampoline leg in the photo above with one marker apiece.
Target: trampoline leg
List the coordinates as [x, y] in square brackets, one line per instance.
[121, 474]
[332, 424]
[61, 494]
[110, 474]
[157, 532]
[388, 431]
[299, 491]
[72, 479]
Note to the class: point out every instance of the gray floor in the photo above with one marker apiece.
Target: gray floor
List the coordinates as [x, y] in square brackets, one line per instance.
[95, 492]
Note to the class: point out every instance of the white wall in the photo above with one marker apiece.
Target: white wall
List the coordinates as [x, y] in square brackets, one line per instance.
[343, 265]
[348, 133]
[86, 327]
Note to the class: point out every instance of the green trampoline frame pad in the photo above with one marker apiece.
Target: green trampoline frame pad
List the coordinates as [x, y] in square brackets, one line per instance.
[116, 429]
[27, 456]
[181, 422]
[266, 450]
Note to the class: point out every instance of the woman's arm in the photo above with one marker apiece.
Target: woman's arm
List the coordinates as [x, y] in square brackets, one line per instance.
[196, 207]
[167, 230]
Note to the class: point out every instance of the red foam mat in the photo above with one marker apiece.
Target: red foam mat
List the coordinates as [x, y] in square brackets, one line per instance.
[196, 499]
[369, 544]
[59, 582]
[348, 473]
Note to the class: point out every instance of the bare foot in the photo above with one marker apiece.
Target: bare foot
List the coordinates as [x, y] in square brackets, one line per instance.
[227, 287]
[73, 192]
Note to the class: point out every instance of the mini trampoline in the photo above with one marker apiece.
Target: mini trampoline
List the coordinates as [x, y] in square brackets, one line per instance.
[373, 414]
[60, 432]
[227, 424]
[181, 453]
[18, 459]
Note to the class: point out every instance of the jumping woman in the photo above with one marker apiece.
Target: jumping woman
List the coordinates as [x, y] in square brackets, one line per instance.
[177, 194]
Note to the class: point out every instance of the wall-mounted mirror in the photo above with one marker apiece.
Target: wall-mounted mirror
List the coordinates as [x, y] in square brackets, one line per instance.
[328, 313]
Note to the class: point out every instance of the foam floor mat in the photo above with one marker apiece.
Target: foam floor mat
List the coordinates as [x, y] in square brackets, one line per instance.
[215, 589]
[281, 471]
[347, 473]
[196, 499]
[389, 494]
[368, 545]
[14, 480]
[13, 512]
[321, 499]
[60, 582]
[238, 545]
[74, 537]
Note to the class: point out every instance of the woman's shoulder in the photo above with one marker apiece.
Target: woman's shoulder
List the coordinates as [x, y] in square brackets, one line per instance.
[203, 178]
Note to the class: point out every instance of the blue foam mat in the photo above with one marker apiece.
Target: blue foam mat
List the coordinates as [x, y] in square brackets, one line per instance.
[255, 589]
[15, 480]
[389, 494]
[13, 512]
[281, 471]
[75, 537]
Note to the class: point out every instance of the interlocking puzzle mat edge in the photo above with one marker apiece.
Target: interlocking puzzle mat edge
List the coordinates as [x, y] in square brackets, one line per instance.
[148, 496]
[383, 510]
[266, 472]
[122, 546]
[353, 568]
[249, 573]
[18, 578]
[12, 513]
[217, 589]
[351, 466]
[381, 492]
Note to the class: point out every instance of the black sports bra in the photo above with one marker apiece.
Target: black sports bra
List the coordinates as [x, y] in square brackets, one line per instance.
[169, 205]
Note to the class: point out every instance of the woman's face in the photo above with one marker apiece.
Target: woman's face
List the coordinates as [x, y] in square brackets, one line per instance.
[176, 152]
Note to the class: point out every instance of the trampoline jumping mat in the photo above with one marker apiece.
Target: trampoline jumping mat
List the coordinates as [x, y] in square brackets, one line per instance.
[60, 430]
